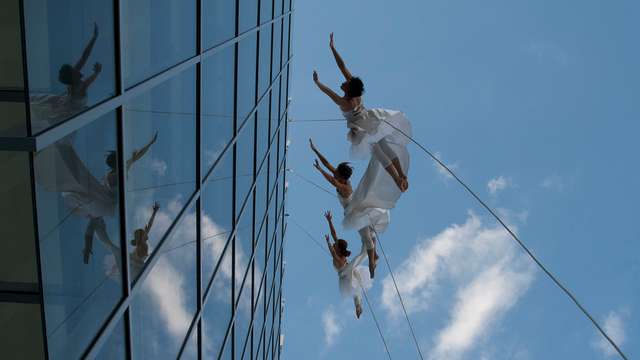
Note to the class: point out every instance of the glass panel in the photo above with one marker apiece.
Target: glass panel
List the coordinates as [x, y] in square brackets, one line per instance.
[219, 21]
[244, 242]
[160, 151]
[261, 196]
[283, 92]
[260, 347]
[157, 34]
[17, 247]
[191, 348]
[76, 190]
[287, 5]
[266, 10]
[71, 57]
[275, 116]
[163, 309]
[244, 163]
[11, 83]
[248, 15]
[262, 131]
[115, 347]
[217, 310]
[264, 78]
[246, 76]
[243, 318]
[217, 222]
[277, 8]
[21, 331]
[285, 39]
[217, 104]
[277, 42]
[13, 122]
[11, 61]
[228, 351]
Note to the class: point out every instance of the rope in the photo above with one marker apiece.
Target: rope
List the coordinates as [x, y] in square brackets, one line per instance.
[415, 339]
[395, 284]
[504, 225]
[366, 298]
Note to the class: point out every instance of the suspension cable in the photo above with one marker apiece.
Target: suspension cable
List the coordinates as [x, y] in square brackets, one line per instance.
[505, 226]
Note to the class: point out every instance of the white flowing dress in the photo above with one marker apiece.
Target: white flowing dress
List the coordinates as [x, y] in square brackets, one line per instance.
[376, 192]
[351, 276]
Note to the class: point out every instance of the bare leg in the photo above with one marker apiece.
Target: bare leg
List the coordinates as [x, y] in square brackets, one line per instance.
[387, 162]
[388, 151]
[358, 304]
[369, 242]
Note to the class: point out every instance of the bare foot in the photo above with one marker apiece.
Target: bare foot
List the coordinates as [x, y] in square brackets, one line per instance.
[372, 266]
[358, 311]
[86, 255]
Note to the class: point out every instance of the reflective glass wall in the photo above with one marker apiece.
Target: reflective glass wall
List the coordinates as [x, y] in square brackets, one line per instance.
[143, 206]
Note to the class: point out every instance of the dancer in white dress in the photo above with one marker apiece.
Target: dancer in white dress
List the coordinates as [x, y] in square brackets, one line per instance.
[59, 168]
[349, 278]
[378, 132]
[48, 109]
[367, 221]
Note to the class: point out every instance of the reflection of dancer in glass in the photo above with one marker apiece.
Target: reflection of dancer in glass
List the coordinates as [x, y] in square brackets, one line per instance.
[137, 257]
[141, 238]
[51, 108]
[371, 131]
[348, 275]
[60, 169]
[366, 220]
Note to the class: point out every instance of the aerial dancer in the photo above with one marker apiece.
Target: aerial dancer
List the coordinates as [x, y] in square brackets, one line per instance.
[349, 278]
[49, 109]
[377, 131]
[368, 221]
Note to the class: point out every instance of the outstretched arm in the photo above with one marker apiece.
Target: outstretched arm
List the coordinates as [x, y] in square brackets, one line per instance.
[87, 50]
[138, 154]
[97, 68]
[330, 93]
[324, 160]
[327, 176]
[339, 61]
[332, 251]
[147, 228]
[333, 229]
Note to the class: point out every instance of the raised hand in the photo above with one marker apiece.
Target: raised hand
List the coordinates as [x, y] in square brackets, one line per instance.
[331, 40]
[326, 238]
[316, 164]
[97, 68]
[315, 76]
[313, 147]
[156, 206]
[95, 29]
[328, 215]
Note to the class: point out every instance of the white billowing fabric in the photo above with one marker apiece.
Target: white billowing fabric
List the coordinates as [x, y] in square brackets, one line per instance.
[376, 192]
[60, 169]
[48, 109]
[351, 275]
[375, 218]
[368, 126]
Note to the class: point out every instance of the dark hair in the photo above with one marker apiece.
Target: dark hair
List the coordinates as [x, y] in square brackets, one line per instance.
[111, 160]
[344, 170]
[355, 87]
[65, 75]
[342, 248]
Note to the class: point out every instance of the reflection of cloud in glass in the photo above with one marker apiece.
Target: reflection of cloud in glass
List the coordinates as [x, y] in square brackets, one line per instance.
[159, 167]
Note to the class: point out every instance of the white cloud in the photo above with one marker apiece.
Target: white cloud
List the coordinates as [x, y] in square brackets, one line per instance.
[498, 184]
[332, 327]
[553, 182]
[614, 327]
[444, 174]
[159, 167]
[488, 274]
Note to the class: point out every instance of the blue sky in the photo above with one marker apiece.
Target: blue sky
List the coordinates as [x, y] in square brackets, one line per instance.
[535, 105]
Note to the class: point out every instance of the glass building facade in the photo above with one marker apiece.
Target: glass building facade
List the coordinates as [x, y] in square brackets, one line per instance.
[143, 154]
